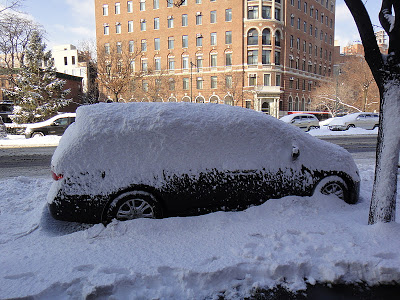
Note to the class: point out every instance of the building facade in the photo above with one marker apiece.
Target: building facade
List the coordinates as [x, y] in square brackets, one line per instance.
[264, 55]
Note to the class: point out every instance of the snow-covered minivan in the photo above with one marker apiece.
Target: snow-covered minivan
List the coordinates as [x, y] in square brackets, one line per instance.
[131, 160]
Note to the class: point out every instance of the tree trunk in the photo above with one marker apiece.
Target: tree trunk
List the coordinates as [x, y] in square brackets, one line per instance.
[383, 201]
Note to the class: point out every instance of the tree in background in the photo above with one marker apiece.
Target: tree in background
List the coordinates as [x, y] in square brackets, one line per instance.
[15, 32]
[353, 89]
[386, 72]
[6, 5]
[37, 94]
[116, 69]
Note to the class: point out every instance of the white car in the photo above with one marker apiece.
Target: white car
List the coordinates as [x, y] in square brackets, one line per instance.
[53, 126]
[362, 120]
[133, 160]
[305, 122]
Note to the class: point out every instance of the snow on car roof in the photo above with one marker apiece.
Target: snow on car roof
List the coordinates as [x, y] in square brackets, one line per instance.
[138, 141]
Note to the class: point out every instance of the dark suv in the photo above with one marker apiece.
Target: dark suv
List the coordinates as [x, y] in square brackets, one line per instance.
[54, 126]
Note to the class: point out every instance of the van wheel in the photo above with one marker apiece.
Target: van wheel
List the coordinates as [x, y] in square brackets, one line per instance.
[36, 134]
[333, 185]
[133, 205]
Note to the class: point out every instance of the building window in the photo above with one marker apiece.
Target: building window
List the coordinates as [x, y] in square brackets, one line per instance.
[129, 5]
[199, 40]
[144, 65]
[143, 45]
[228, 15]
[170, 3]
[199, 62]
[171, 84]
[105, 10]
[171, 63]
[157, 64]
[266, 57]
[170, 42]
[117, 8]
[184, 20]
[142, 5]
[157, 44]
[143, 25]
[131, 47]
[185, 63]
[198, 1]
[266, 12]
[213, 60]
[106, 29]
[252, 80]
[199, 83]
[156, 23]
[130, 26]
[228, 81]
[107, 48]
[252, 37]
[292, 20]
[199, 18]
[298, 23]
[118, 28]
[213, 82]
[266, 37]
[278, 38]
[228, 37]
[290, 103]
[132, 65]
[170, 22]
[252, 57]
[277, 58]
[119, 47]
[185, 41]
[278, 80]
[277, 14]
[213, 38]
[267, 79]
[252, 12]
[145, 85]
[185, 83]
[156, 4]
[213, 17]
[228, 59]
[65, 60]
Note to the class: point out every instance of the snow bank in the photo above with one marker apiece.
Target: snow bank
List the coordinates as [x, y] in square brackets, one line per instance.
[288, 241]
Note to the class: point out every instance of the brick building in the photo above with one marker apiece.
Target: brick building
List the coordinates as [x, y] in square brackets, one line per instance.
[265, 55]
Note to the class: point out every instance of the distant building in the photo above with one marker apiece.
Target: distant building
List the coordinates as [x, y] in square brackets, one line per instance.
[277, 50]
[358, 49]
[69, 60]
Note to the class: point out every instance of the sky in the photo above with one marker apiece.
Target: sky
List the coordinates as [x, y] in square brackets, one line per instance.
[73, 21]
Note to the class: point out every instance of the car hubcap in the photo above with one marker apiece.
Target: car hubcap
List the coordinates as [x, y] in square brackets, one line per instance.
[134, 209]
[333, 188]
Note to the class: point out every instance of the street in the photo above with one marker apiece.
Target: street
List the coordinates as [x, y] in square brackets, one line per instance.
[35, 161]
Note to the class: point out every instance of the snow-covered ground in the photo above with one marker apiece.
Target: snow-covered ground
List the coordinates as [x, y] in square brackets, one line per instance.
[290, 241]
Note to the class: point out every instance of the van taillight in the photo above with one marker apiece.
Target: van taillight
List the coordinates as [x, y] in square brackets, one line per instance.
[55, 176]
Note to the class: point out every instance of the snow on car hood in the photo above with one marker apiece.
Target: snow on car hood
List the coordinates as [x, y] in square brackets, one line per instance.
[49, 121]
[138, 142]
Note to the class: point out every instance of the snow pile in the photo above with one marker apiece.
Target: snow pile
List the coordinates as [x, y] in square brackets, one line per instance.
[140, 142]
[20, 141]
[286, 241]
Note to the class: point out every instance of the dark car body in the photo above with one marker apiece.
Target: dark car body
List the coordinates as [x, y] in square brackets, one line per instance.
[187, 159]
[54, 126]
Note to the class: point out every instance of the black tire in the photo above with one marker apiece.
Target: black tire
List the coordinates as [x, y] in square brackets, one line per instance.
[36, 134]
[333, 185]
[133, 205]
[350, 126]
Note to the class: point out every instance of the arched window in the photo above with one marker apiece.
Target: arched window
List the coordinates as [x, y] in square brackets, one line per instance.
[214, 99]
[172, 99]
[200, 99]
[308, 104]
[266, 37]
[296, 103]
[277, 38]
[186, 99]
[290, 103]
[252, 37]
[228, 100]
[265, 107]
[303, 104]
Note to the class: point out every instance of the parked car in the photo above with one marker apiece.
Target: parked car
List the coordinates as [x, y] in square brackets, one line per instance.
[154, 160]
[362, 120]
[303, 121]
[3, 129]
[53, 126]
